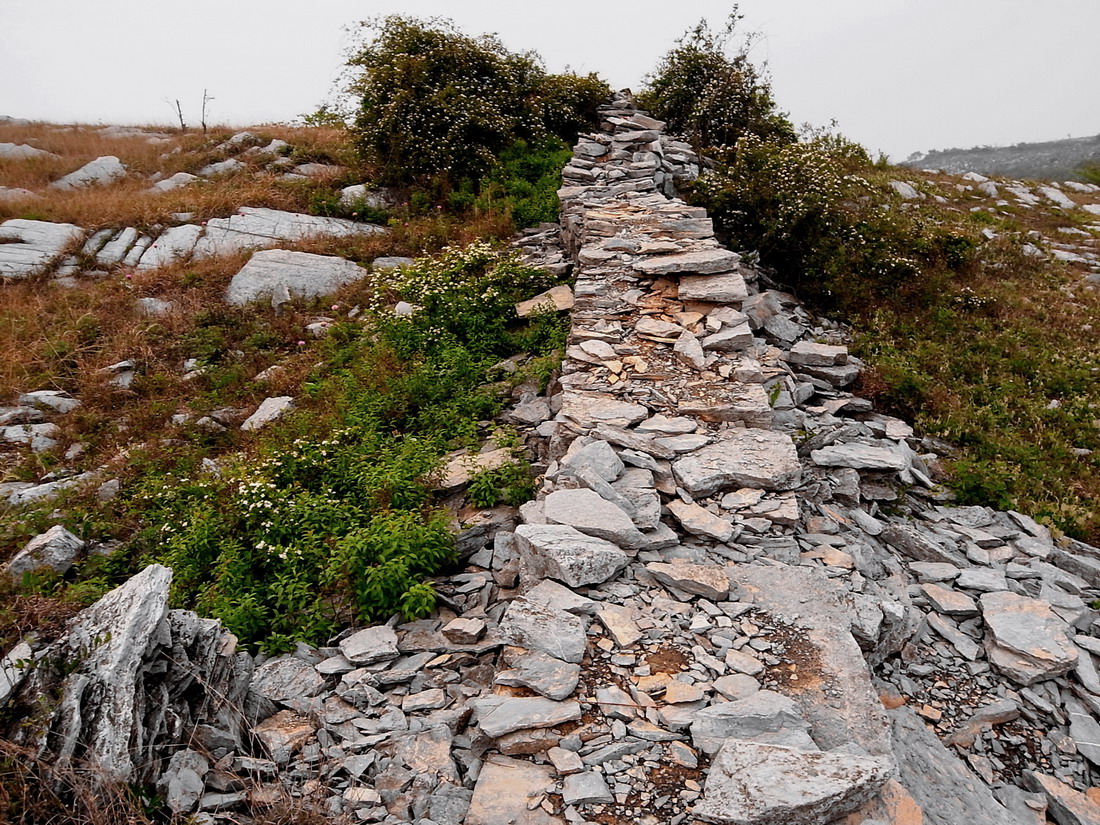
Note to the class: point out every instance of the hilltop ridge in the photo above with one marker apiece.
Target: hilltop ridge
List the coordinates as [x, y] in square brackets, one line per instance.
[1044, 160]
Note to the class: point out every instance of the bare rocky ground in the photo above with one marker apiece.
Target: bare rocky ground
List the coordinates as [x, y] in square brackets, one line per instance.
[739, 596]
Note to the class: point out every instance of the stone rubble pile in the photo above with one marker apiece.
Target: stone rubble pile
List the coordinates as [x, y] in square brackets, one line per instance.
[738, 597]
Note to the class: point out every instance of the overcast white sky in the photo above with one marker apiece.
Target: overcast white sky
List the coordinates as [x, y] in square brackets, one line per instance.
[898, 75]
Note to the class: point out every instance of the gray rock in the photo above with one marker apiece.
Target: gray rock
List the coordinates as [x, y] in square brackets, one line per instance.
[905, 190]
[21, 151]
[55, 400]
[587, 409]
[760, 459]
[765, 717]
[370, 645]
[982, 579]
[255, 228]
[588, 788]
[950, 602]
[286, 678]
[945, 788]
[98, 172]
[108, 644]
[13, 670]
[299, 274]
[176, 181]
[839, 700]
[1067, 805]
[564, 553]
[759, 784]
[728, 288]
[557, 299]
[464, 631]
[709, 581]
[1027, 641]
[916, 544]
[30, 247]
[496, 718]
[504, 789]
[701, 262]
[56, 549]
[859, 457]
[808, 353]
[701, 522]
[175, 243]
[544, 627]
[270, 409]
[540, 672]
[1084, 729]
[391, 263]
[181, 785]
[596, 455]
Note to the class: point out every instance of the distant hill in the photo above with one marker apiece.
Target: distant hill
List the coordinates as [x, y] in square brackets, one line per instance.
[1051, 160]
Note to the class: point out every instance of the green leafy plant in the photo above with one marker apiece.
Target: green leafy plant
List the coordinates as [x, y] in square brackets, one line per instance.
[710, 96]
[434, 102]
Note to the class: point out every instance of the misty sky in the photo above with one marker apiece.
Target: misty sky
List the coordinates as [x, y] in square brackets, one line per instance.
[897, 75]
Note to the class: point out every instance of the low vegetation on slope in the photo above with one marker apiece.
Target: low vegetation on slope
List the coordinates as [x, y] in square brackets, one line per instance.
[330, 515]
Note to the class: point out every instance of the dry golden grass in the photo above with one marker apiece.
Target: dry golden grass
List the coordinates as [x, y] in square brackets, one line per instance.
[132, 202]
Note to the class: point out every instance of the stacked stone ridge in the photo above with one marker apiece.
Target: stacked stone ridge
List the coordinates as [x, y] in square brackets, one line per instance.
[737, 598]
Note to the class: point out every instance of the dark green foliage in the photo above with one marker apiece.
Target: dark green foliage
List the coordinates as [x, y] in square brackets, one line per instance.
[813, 213]
[525, 180]
[335, 519]
[435, 102]
[710, 97]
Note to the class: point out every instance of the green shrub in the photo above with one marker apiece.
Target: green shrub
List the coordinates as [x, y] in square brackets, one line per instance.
[525, 181]
[817, 214]
[432, 101]
[334, 519]
[710, 97]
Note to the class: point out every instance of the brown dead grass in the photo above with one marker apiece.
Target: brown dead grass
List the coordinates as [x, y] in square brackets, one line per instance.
[35, 793]
[131, 202]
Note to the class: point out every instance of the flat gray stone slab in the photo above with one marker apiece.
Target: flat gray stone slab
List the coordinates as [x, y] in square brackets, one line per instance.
[30, 247]
[701, 262]
[98, 172]
[174, 244]
[859, 457]
[286, 678]
[834, 693]
[496, 719]
[544, 627]
[370, 645]
[592, 515]
[275, 274]
[559, 551]
[540, 672]
[755, 784]
[1068, 806]
[706, 580]
[761, 459]
[764, 717]
[727, 288]
[587, 409]
[255, 227]
[1027, 640]
[504, 788]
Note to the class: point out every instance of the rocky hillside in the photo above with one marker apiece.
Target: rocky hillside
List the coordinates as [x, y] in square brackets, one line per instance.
[739, 594]
[1049, 160]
